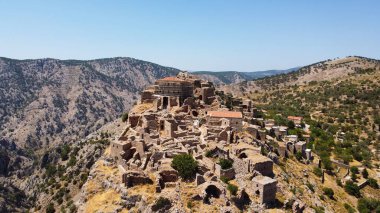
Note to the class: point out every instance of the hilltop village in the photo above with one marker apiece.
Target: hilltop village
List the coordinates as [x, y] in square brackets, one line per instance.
[234, 148]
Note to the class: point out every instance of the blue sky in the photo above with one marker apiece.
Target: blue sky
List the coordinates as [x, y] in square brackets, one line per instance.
[192, 35]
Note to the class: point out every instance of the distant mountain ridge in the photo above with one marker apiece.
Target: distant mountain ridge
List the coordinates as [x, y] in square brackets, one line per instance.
[228, 77]
[321, 71]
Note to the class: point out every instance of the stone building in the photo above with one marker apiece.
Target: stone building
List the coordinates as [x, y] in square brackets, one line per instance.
[234, 119]
[266, 188]
[173, 87]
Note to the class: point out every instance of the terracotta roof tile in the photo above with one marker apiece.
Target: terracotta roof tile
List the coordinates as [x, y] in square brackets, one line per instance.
[225, 114]
[294, 118]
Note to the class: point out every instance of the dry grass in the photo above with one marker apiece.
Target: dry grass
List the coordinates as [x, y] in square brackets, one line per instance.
[104, 201]
[148, 191]
[140, 108]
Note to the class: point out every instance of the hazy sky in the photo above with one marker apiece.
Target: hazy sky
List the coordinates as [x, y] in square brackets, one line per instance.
[192, 34]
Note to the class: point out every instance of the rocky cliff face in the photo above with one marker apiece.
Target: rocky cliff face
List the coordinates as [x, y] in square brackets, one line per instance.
[45, 102]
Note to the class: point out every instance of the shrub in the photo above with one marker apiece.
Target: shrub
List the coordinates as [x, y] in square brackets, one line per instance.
[225, 163]
[299, 156]
[161, 203]
[349, 208]
[365, 173]
[50, 170]
[352, 189]
[72, 161]
[124, 117]
[368, 205]
[209, 153]
[224, 179]
[291, 125]
[326, 162]
[190, 205]
[328, 192]
[354, 170]
[319, 209]
[185, 165]
[65, 152]
[353, 176]
[232, 189]
[339, 182]
[310, 186]
[317, 171]
[50, 208]
[373, 183]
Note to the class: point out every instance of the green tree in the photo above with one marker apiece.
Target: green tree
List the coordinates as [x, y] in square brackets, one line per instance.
[365, 173]
[367, 205]
[352, 188]
[354, 169]
[354, 177]
[225, 163]
[326, 162]
[291, 125]
[185, 165]
[373, 183]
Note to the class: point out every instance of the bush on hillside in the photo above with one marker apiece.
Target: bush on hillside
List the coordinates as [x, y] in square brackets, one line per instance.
[328, 192]
[225, 163]
[124, 117]
[352, 189]
[232, 189]
[185, 165]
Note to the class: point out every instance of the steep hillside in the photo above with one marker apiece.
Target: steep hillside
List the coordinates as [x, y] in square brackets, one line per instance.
[48, 101]
[321, 71]
[339, 100]
[344, 107]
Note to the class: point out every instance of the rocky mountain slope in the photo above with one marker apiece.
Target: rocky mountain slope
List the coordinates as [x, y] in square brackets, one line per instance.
[47, 107]
[320, 71]
[48, 101]
[233, 77]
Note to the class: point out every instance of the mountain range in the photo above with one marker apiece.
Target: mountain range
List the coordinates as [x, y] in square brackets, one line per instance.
[49, 104]
[228, 77]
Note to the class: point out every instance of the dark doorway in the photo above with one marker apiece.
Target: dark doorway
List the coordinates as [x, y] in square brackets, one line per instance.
[211, 191]
[165, 102]
[242, 155]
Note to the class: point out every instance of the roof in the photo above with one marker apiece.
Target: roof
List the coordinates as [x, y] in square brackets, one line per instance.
[294, 118]
[257, 157]
[264, 180]
[171, 78]
[225, 114]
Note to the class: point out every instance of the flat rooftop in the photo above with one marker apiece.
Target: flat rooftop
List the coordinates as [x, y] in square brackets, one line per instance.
[263, 180]
[255, 157]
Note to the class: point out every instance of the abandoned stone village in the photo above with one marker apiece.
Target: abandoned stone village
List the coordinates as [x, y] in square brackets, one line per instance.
[186, 115]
